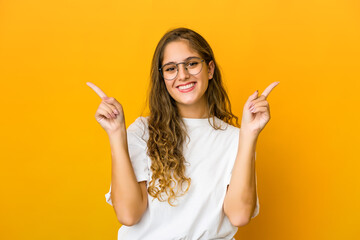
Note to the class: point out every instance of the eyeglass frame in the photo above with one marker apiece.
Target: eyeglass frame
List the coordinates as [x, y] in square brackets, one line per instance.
[177, 68]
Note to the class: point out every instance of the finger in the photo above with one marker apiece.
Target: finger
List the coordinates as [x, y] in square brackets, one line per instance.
[96, 89]
[259, 109]
[103, 112]
[252, 97]
[259, 99]
[111, 106]
[269, 89]
[115, 103]
[263, 103]
[108, 108]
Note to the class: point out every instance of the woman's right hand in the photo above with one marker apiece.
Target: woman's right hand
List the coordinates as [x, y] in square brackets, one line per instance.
[110, 114]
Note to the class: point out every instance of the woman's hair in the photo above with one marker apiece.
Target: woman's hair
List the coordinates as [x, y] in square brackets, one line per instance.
[167, 130]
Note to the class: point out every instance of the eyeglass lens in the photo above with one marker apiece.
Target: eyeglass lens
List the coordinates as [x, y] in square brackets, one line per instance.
[193, 67]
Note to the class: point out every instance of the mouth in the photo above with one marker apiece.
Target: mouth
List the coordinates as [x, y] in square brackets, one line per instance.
[187, 88]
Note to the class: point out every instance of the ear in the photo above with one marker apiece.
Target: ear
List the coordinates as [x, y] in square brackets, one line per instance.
[211, 69]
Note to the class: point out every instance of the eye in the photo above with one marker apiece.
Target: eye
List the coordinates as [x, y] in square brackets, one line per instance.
[192, 63]
[169, 69]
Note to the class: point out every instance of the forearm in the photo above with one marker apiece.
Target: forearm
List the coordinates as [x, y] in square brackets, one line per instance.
[126, 193]
[240, 199]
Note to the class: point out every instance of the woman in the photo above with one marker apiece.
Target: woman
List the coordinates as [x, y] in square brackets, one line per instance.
[185, 171]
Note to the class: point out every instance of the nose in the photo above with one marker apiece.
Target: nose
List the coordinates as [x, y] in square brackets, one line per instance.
[182, 72]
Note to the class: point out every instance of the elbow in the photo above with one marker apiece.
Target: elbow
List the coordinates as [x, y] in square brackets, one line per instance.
[239, 221]
[127, 219]
[237, 218]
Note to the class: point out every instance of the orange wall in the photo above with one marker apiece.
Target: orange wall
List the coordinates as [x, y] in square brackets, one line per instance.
[55, 157]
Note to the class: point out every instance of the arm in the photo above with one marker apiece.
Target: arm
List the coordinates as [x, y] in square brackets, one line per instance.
[129, 197]
[240, 199]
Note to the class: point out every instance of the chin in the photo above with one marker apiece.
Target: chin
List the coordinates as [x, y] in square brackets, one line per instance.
[187, 102]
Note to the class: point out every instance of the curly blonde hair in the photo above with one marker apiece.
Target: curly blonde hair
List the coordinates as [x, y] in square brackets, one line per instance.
[167, 130]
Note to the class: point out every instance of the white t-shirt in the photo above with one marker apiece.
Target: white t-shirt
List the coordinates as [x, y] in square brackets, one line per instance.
[210, 157]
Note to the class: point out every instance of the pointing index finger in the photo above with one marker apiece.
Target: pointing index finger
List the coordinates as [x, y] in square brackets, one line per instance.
[267, 91]
[96, 89]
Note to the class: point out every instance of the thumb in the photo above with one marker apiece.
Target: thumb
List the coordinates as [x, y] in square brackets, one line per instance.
[252, 97]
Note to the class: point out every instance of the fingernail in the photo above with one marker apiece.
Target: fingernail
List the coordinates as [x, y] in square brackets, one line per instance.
[115, 111]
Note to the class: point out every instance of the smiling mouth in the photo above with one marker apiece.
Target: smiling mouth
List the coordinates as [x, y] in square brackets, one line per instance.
[187, 88]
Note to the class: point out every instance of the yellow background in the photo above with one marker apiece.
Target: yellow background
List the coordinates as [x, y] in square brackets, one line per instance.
[55, 157]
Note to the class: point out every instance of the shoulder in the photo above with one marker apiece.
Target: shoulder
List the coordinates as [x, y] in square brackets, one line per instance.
[226, 127]
[140, 123]
[139, 127]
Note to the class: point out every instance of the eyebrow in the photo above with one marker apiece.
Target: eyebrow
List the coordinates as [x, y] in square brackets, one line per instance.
[183, 60]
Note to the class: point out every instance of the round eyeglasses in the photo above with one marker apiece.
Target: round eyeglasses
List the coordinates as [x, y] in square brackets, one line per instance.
[193, 66]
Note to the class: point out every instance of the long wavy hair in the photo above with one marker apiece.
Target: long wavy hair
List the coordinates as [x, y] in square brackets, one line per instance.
[167, 130]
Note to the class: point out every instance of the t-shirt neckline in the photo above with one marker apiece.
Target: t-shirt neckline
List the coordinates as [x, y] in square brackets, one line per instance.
[198, 121]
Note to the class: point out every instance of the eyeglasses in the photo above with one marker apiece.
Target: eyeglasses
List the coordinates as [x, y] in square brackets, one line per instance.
[193, 66]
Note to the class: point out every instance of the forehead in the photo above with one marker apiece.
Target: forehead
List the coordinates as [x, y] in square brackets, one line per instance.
[178, 51]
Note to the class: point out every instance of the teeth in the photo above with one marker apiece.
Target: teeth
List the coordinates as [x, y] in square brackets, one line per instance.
[187, 86]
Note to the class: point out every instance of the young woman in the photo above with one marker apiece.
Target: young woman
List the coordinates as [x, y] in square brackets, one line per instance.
[186, 171]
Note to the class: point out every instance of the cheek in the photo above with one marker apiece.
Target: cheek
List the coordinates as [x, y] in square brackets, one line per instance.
[205, 83]
[169, 89]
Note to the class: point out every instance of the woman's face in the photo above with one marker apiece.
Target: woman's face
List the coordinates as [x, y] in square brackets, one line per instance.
[190, 101]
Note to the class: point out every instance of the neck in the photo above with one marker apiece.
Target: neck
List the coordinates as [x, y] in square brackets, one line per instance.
[200, 110]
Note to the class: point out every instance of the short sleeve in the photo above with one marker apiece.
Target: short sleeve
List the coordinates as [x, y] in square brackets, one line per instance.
[108, 197]
[137, 136]
[257, 207]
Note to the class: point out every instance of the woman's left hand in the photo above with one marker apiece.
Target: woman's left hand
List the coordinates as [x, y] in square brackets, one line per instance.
[256, 111]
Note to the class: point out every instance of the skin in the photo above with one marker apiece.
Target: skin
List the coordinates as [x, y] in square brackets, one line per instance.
[129, 197]
[240, 199]
[191, 104]
[256, 113]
